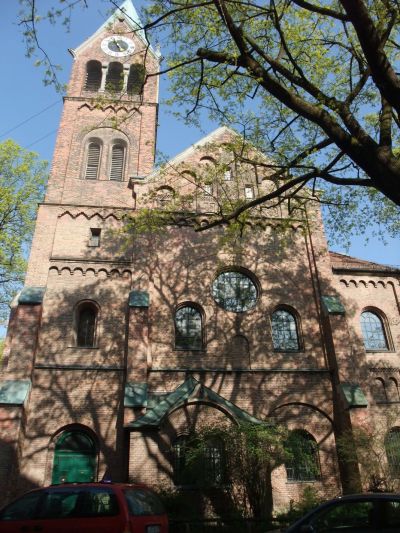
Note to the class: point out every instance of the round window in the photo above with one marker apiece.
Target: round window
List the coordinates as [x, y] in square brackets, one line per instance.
[234, 291]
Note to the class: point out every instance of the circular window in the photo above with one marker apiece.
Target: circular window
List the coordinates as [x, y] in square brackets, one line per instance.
[234, 291]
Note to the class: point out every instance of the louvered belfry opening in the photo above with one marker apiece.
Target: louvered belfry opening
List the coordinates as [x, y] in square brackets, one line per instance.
[93, 160]
[136, 79]
[117, 162]
[93, 76]
[115, 77]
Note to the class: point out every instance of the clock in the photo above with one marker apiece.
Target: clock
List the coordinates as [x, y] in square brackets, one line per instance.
[117, 46]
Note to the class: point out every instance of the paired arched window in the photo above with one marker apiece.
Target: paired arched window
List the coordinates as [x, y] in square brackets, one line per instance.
[117, 155]
[285, 336]
[86, 322]
[115, 77]
[392, 447]
[198, 463]
[117, 162]
[93, 161]
[373, 331]
[93, 76]
[188, 328]
[136, 79]
[303, 461]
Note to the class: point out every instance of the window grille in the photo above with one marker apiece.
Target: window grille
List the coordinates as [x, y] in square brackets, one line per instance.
[86, 326]
[392, 446]
[234, 291]
[117, 162]
[93, 161]
[284, 331]
[188, 328]
[373, 332]
[303, 462]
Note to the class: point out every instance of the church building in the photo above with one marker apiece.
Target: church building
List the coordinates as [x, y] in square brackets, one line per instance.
[118, 350]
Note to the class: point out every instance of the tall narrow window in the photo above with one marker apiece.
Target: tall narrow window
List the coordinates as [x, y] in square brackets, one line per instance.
[392, 447]
[214, 468]
[115, 77]
[249, 192]
[94, 238]
[117, 162]
[284, 331]
[373, 332]
[303, 462]
[86, 325]
[136, 79]
[93, 76]
[93, 161]
[188, 328]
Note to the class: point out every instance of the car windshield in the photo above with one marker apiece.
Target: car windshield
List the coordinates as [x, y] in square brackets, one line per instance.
[143, 502]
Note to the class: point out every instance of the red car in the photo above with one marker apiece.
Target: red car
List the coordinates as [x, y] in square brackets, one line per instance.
[86, 508]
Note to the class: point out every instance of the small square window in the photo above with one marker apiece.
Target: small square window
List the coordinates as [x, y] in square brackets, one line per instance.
[228, 175]
[249, 192]
[208, 189]
[94, 239]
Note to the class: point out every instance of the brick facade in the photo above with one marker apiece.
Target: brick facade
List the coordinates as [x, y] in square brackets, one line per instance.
[83, 388]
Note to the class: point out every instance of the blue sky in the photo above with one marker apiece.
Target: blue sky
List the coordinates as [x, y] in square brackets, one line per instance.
[23, 95]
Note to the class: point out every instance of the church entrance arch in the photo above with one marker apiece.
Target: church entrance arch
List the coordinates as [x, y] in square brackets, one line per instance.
[75, 458]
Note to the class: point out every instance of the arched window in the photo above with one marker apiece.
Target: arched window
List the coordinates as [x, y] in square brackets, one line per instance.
[392, 390]
[115, 77]
[379, 390]
[303, 461]
[93, 161]
[86, 319]
[93, 76]
[164, 197]
[188, 328]
[75, 458]
[285, 336]
[392, 447]
[117, 162]
[373, 332]
[136, 79]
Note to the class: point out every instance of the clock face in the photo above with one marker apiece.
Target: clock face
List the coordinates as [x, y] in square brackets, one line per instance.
[117, 46]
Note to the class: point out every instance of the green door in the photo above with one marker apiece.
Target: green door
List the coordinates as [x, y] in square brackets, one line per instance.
[75, 458]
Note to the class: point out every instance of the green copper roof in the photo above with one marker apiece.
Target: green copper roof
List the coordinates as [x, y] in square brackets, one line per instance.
[14, 391]
[353, 395]
[31, 295]
[190, 389]
[139, 299]
[332, 305]
[135, 394]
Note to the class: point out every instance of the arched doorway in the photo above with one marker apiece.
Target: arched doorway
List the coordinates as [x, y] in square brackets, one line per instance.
[75, 458]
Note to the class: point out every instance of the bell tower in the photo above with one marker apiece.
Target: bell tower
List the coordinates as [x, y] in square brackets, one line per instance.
[106, 137]
[108, 129]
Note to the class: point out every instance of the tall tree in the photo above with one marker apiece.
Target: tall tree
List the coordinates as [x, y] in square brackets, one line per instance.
[314, 84]
[22, 179]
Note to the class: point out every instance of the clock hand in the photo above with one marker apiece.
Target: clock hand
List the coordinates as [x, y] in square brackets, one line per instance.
[117, 44]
